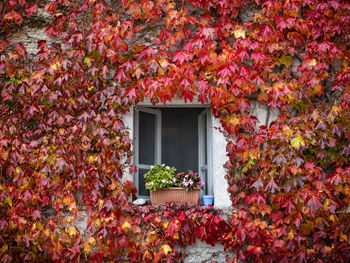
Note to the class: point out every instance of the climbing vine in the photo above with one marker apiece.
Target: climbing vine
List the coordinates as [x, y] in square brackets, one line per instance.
[64, 147]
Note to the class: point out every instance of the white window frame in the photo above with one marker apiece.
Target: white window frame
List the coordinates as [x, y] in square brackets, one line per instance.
[209, 166]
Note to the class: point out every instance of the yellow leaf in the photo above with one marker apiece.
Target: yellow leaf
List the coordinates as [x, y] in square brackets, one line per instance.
[239, 32]
[67, 200]
[336, 109]
[72, 231]
[333, 218]
[47, 232]
[71, 100]
[69, 219]
[310, 251]
[311, 62]
[97, 222]
[91, 241]
[343, 237]
[297, 142]
[87, 60]
[8, 200]
[54, 66]
[37, 225]
[91, 158]
[165, 225]
[290, 235]
[287, 131]
[87, 248]
[326, 203]
[107, 219]
[318, 89]
[161, 72]
[107, 38]
[163, 62]
[126, 225]
[286, 60]
[4, 249]
[100, 203]
[165, 249]
[253, 209]
[176, 235]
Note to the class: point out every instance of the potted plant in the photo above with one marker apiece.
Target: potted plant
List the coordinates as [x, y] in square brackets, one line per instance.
[165, 185]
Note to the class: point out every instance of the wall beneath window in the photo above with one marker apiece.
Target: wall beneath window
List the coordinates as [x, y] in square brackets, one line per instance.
[203, 252]
[218, 147]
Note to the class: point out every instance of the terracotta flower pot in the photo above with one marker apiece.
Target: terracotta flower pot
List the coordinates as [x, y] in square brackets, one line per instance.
[174, 194]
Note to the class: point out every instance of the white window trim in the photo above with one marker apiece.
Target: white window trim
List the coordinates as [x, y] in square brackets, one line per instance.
[147, 107]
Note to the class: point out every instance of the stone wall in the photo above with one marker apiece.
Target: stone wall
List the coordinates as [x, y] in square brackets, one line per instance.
[201, 252]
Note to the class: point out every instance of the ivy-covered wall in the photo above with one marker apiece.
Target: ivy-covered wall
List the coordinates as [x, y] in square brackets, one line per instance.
[64, 148]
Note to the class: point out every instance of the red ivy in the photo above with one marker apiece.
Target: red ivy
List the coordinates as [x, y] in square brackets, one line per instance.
[64, 148]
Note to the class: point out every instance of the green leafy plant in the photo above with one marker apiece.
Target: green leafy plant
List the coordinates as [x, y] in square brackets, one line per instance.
[162, 176]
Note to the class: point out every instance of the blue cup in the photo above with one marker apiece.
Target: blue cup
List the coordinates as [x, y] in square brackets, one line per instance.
[208, 200]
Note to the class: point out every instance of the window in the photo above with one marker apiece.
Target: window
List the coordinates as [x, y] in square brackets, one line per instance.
[175, 136]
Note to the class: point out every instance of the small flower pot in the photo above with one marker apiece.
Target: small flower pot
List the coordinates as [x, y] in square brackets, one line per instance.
[208, 200]
[174, 194]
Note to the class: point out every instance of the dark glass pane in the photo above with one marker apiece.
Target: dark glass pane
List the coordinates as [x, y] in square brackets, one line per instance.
[142, 189]
[180, 138]
[147, 123]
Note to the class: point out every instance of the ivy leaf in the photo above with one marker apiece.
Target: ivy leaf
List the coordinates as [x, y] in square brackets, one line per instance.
[242, 54]
[207, 32]
[297, 142]
[255, 250]
[120, 75]
[72, 231]
[314, 202]
[51, 7]
[131, 91]
[51, 31]
[272, 186]
[266, 30]
[257, 184]
[286, 60]
[13, 16]
[165, 249]
[31, 9]
[181, 57]
[239, 32]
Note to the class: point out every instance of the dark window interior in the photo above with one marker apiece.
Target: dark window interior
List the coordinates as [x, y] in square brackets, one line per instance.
[180, 138]
[179, 141]
[142, 190]
[146, 138]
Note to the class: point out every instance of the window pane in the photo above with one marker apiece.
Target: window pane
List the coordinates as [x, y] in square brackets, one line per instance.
[180, 138]
[142, 189]
[147, 123]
